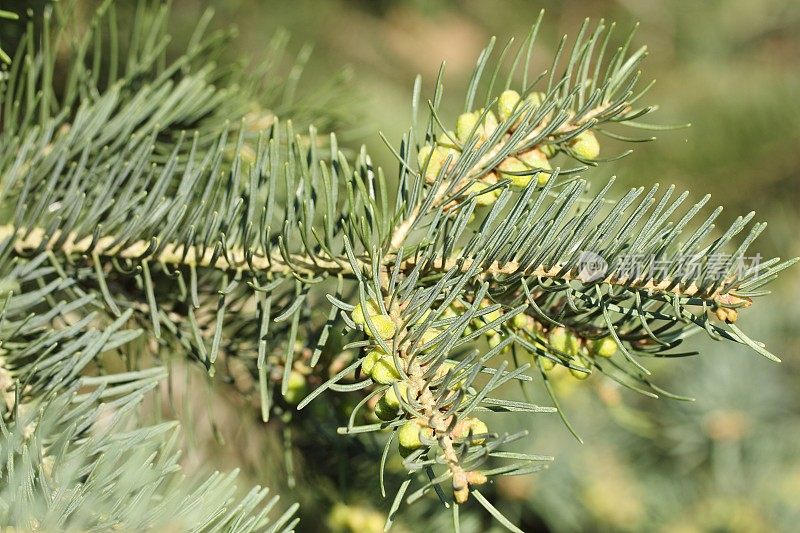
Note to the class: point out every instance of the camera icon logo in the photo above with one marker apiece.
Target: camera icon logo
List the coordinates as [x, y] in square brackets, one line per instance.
[591, 267]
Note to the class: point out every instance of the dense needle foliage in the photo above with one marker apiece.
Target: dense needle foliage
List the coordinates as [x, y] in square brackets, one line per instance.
[159, 209]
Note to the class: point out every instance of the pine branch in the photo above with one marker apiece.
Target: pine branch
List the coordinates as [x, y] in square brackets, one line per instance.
[483, 269]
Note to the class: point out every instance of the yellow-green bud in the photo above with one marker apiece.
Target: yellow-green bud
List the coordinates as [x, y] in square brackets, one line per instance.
[507, 103]
[409, 435]
[296, 387]
[605, 347]
[536, 98]
[384, 411]
[523, 322]
[484, 199]
[447, 139]
[549, 150]
[391, 399]
[424, 316]
[585, 145]
[494, 341]
[536, 159]
[457, 381]
[384, 371]
[384, 327]
[512, 164]
[358, 313]
[547, 363]
[563, 341]
[438, 156]
[429, 335]
[471, 426]
[465, 124]
[489, 317]
[489, 123]
[369, 361]
[580, 374]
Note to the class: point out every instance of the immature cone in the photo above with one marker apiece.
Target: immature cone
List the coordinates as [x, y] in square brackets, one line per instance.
[523, 322]
[563, 341]
[726, 314]
[536, 98]
[507, 103]
[512, 164]
[580, 374]
[457, 381]
[465, 123]
[487, 198]
[438, 156]
[384, 371]
[489, 123]
[537, 160]
[382, 326]
[447, 139]
[547, 363]
[585, 145]
[409, 435]
[429, 335]
[489, 317]
[549, 150]
[476, 478]
[469, 427]
[391, 399]
[604, 347]
[373, 309]
[296, 388]
[369, 361]
[384, 411]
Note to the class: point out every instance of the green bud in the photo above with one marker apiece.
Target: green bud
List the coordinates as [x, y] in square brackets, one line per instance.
[409, 435]
[358, 313]
[424, 316]
[391, 399]
[523, 322]
[424, 154]
[438, 157]
[296, 388]
[383, 327]
[488, 317]
[465, 124]
[547, 364]
[447, 139]
[507, 103]
[512, 164]
[536, 98]
[471, 426]
[580, 374]
[605, 347]
[384, 411]
[429, 335]
[384, 371]
[457, 381]
[563, 341]
[549, 150]
[585, 145]
[494, 341]
[484, 199]
[536, 159]
[489, 123]
[369, 361]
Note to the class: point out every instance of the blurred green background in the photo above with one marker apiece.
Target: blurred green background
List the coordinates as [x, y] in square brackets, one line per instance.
[729, 461]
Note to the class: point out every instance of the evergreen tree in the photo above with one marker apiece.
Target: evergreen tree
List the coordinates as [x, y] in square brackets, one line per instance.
[159, 209]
